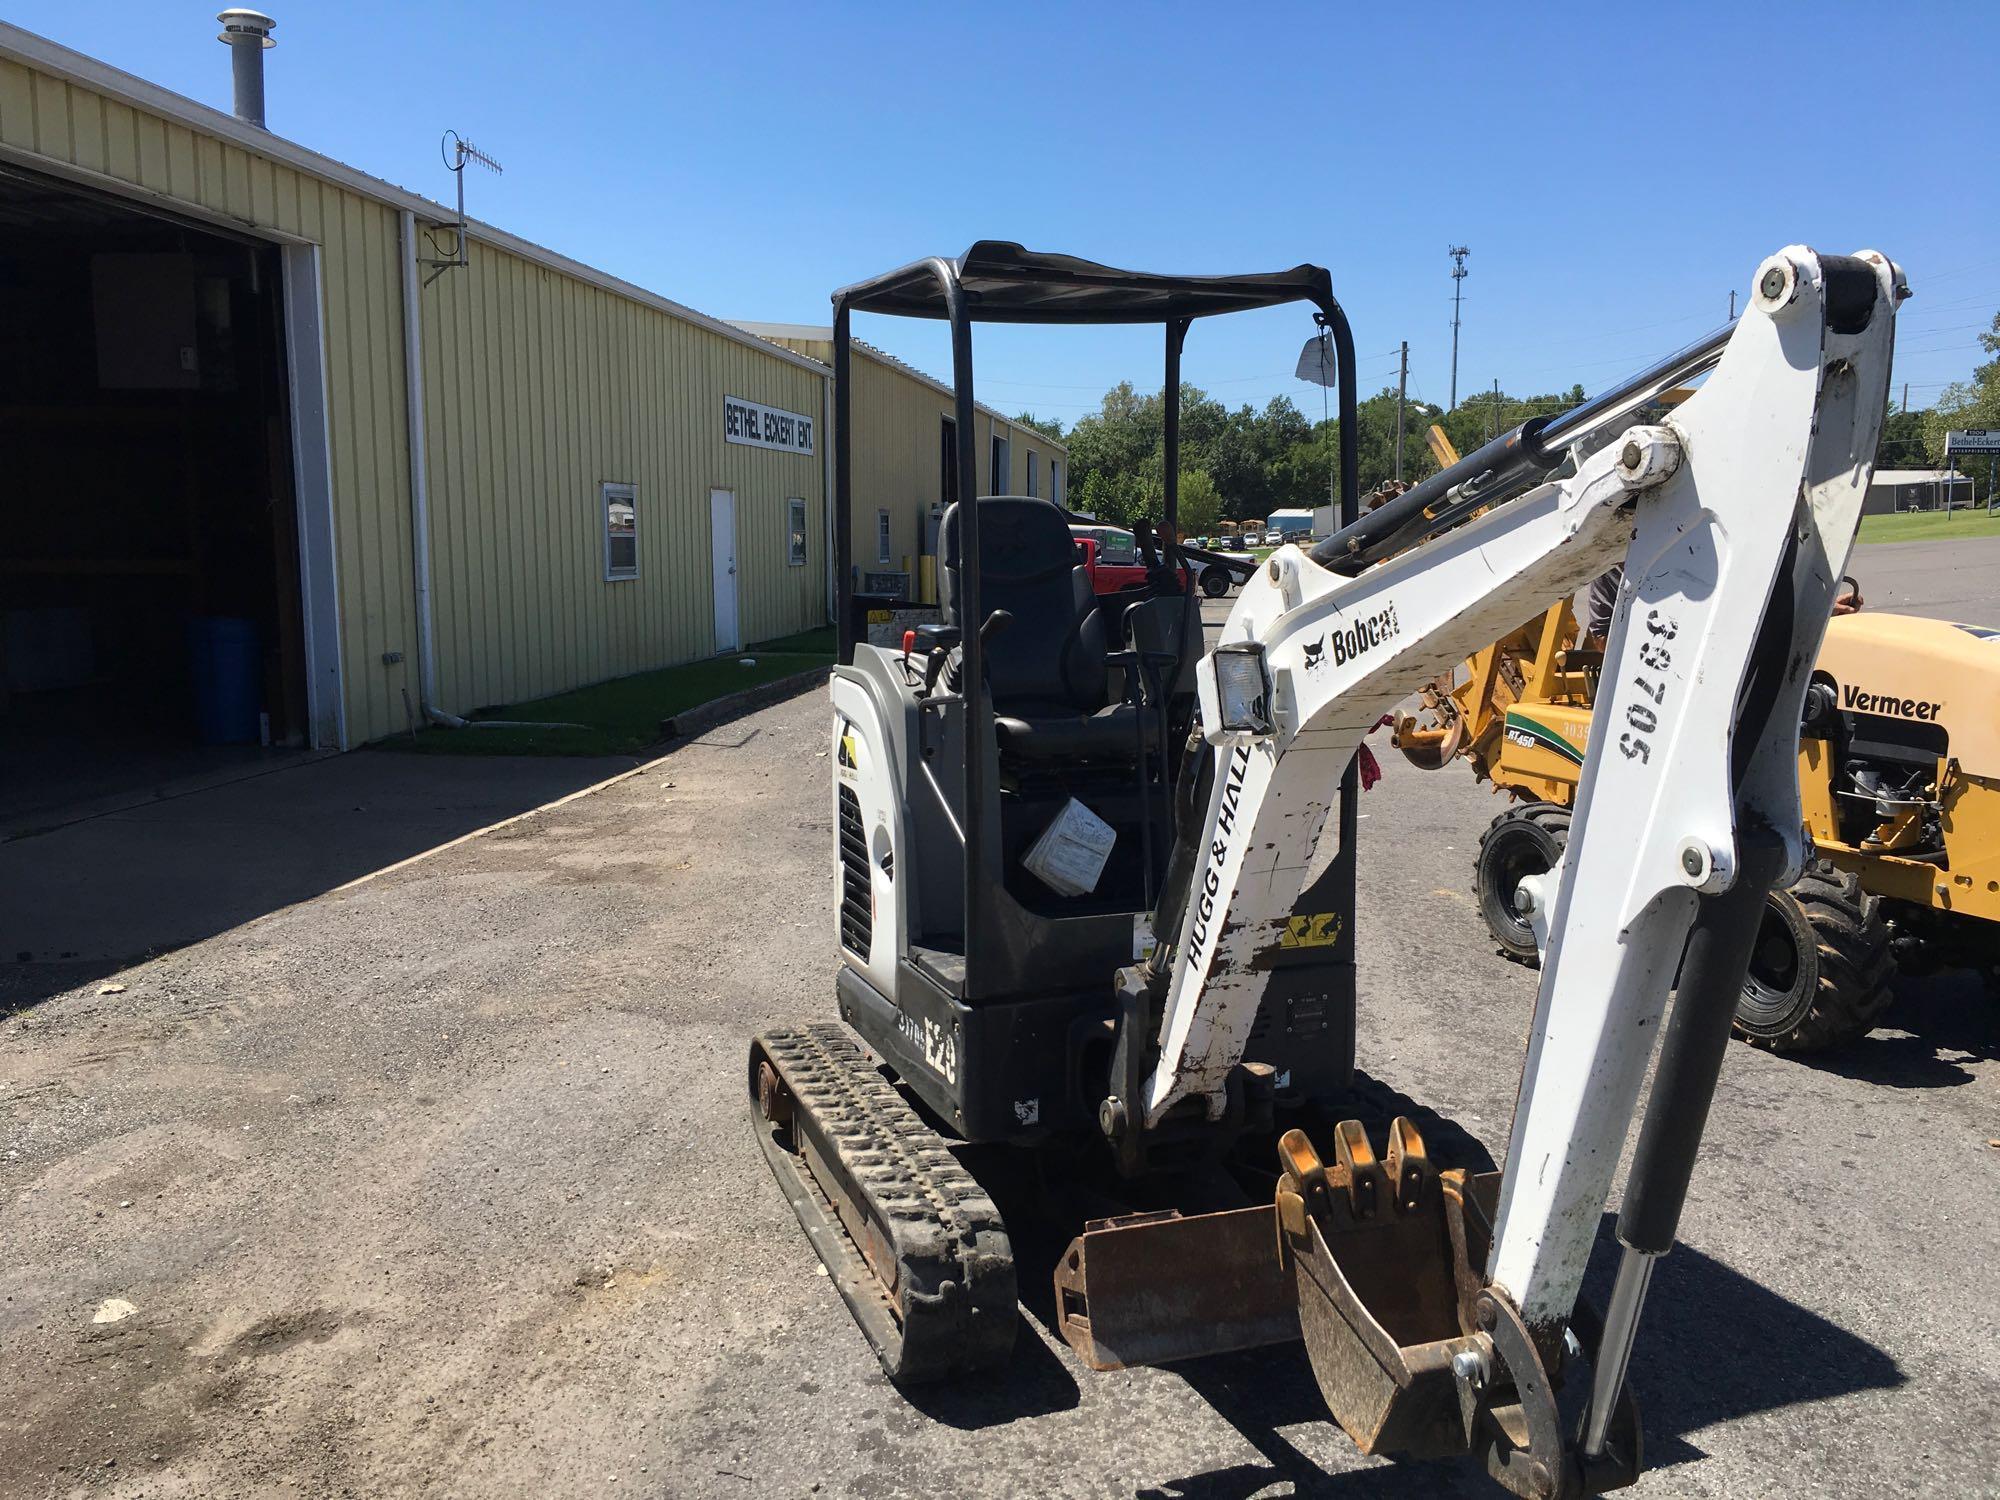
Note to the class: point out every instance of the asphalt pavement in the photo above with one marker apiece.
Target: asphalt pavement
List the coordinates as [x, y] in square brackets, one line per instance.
[1955, 580]
[442, 1183]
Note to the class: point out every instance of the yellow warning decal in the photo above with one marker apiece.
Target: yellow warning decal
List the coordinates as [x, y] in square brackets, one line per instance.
[1318, 930]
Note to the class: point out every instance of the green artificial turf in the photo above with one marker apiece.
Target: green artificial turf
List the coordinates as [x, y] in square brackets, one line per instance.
[622, 716]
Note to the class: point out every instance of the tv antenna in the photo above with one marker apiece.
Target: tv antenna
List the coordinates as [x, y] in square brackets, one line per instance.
[456, 151]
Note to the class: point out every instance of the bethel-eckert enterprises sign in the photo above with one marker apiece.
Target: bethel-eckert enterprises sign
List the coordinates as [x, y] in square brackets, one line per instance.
[765, 426]
[1973, 440]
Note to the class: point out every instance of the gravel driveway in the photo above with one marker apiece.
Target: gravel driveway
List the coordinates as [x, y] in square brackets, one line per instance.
[441, 1184]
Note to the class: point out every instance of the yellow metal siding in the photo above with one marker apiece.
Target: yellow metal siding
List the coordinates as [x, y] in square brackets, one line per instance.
[538, 389]
[76, 127]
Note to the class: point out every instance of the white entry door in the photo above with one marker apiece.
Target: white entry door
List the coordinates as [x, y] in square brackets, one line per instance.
[722, 549]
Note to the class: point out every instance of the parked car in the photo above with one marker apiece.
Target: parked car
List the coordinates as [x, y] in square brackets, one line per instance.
[1110, 556]
[1274, 538]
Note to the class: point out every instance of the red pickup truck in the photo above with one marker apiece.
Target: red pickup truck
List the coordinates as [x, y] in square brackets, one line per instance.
[1111, 556]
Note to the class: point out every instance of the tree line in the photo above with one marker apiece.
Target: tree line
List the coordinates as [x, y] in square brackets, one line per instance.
[1245, 463]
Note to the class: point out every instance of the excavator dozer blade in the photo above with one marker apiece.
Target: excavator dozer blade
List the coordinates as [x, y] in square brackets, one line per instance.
[1149, 1289]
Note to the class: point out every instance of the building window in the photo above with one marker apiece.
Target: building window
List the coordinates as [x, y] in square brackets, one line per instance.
[1031, 471]
[999, 475]
[881, 536]
[621, 532]
[795, 532]
[1055, 480]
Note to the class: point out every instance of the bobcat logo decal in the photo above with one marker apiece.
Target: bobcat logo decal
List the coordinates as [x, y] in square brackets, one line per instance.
[1355, 640]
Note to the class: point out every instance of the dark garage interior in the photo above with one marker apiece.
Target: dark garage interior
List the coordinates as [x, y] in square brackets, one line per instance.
[150, 618]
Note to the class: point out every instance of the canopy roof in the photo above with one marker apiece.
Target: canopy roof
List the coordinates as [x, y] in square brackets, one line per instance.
[1007, 283]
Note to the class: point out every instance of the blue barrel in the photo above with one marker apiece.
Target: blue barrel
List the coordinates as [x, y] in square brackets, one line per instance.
[228, 671]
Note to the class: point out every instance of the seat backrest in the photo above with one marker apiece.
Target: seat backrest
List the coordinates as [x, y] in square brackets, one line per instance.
[1052, 655]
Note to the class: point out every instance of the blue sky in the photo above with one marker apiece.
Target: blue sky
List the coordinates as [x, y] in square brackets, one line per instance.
[1614, 177]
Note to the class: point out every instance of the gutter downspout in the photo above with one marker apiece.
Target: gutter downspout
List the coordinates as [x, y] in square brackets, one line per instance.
[420, 507]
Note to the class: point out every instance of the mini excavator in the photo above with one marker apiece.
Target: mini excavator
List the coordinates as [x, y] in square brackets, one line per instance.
[1086, 912]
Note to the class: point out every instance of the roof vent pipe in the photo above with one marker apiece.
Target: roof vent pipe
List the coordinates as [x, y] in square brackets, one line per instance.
[247, 34]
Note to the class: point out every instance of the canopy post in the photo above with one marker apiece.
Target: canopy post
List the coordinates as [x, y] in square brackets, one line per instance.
[1341, 871]
[978, 729]
[843, 485]
[1170, 398]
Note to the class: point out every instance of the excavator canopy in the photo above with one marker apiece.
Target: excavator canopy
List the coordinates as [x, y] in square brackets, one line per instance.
[1008, 283]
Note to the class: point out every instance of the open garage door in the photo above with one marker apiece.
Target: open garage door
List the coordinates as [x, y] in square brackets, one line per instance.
[152, 630]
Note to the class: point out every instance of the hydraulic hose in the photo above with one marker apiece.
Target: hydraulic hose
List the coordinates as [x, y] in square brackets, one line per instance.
[1513, 462]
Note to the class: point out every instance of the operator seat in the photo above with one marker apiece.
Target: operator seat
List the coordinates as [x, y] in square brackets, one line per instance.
[1046, 670]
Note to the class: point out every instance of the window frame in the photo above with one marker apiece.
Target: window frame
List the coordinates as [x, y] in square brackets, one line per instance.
[1029, 455]
[798, 531]
[1000, 467]
[609, 491]
[885, 539]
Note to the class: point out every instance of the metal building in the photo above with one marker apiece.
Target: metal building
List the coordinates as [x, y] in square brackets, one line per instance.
[1892, 490]
[220, 345]
[904, 471]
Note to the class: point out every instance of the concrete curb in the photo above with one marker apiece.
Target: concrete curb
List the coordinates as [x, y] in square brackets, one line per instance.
[705, 716]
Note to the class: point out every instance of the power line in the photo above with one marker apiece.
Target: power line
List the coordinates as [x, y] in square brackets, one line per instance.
[1983, 323]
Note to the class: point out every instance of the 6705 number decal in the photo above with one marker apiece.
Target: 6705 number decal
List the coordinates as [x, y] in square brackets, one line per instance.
[1642, 719]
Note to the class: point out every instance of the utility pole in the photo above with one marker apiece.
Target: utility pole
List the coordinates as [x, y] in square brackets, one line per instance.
[1493, 421]
[1906, 398]
[1402, 388]
[1457, 254]
[1732, 306]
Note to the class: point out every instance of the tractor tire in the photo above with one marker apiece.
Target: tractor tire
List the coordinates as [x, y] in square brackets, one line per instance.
[1524, 840]
[1821, 971]
[1215, 582]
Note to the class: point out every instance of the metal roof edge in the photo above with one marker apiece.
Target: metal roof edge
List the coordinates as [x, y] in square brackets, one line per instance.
[43, 55]
[819, 333]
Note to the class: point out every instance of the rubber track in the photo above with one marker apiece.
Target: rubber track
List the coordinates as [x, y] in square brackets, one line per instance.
[945, 1305]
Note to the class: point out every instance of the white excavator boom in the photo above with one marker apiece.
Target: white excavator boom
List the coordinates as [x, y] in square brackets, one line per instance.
[1733, 519]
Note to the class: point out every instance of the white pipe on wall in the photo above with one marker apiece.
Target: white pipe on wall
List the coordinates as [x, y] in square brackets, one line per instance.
[420, 507]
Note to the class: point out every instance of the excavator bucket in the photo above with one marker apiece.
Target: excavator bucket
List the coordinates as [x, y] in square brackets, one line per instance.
[1379, 1252]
